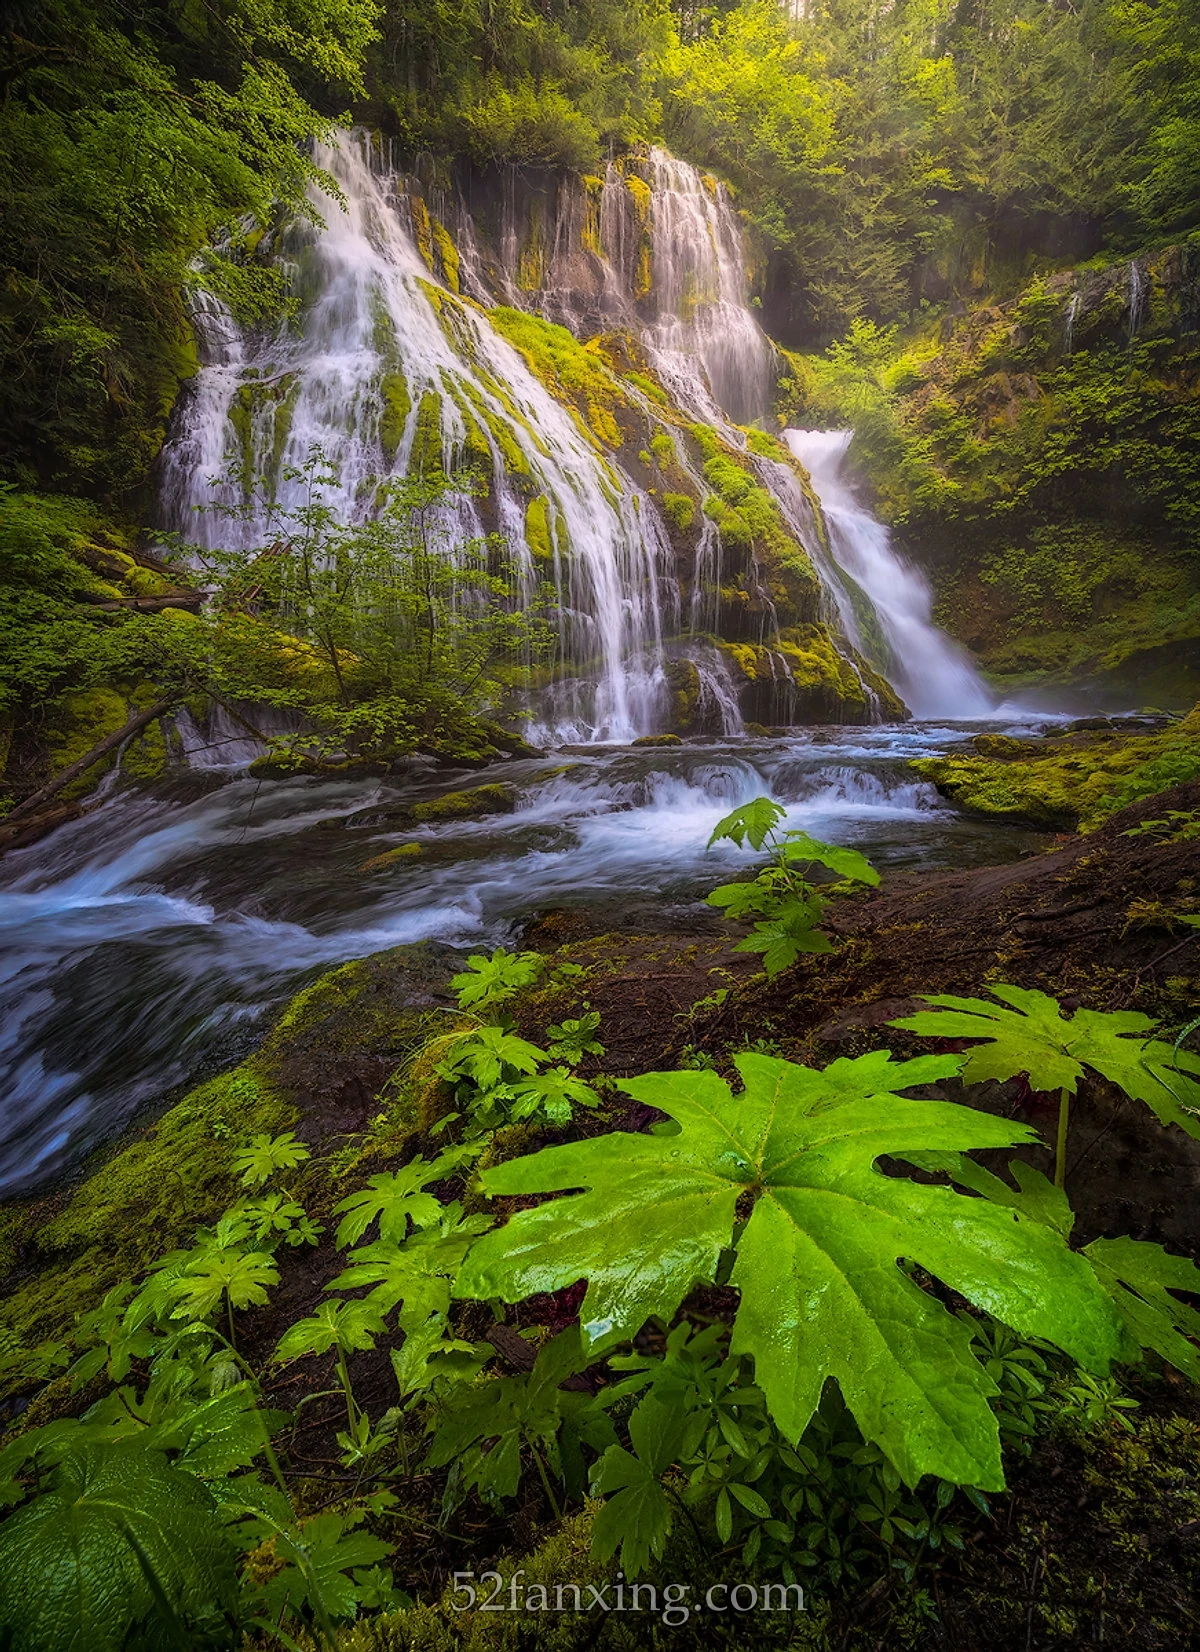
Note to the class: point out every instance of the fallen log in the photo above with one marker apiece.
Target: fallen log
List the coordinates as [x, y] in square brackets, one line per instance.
[16, 834]
[110, 742]
[145, 605]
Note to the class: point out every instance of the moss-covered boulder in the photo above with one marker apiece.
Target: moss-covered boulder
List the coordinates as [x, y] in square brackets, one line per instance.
[808, 677]
[321, 1072]
[474, 804]
[1075, 780]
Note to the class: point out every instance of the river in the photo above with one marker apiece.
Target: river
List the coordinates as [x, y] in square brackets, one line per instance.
[148, 943]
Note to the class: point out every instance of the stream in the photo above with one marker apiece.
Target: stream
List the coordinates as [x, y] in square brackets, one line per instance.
[146, 944]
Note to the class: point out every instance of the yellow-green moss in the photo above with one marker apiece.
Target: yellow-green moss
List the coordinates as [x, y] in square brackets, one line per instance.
[422, 228]
[641, 195]
[396, 404]
[1079, 779]
[477, 801]
[148, 1197]
[426, 456]
[82, 720]
[402, 852]
[680, 508]
[513, 455]
[575, 373]
[537, 529]
[447, 254]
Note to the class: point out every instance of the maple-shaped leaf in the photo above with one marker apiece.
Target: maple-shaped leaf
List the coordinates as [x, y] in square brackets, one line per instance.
[393, 1199]
[750, 823]
[417, 1272]
[267, 1154]
[242, 1275]
[637, 1515]
[1140, 1278]
[818, 1260]
[1032, 1035]
[847, 863]
[346, 1326]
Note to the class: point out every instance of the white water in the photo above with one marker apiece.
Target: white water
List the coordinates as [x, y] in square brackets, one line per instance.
[933, 676]
[658, 253]
[143, 943]
[367, 310]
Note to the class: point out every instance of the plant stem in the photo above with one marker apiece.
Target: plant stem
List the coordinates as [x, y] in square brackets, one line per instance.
[344, 1375]
[1060, 1151]
[546, 1486]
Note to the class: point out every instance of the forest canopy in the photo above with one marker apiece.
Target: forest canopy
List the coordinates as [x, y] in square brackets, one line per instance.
[886, 155]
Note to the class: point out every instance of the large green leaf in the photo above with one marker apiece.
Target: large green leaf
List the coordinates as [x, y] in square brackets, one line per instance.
[823, 1292]
[120, 1538]
[1140, 1278]
[1033, 1036]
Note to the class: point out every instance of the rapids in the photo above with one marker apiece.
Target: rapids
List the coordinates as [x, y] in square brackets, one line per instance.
[147, 943]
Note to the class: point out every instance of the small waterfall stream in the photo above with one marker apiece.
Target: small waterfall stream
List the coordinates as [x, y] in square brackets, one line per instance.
[871, 583]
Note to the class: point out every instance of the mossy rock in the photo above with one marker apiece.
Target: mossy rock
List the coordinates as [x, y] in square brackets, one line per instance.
[403, 854]
[146, 1198]
[1078, 780]
[319, 1072]
[657, 740]
[81, 720]
[474, 804]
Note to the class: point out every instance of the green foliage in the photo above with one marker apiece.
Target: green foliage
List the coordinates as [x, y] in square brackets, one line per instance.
[658, 1212]
[533, 1412]
[1033, 1036]
[488, 982]
[1140, 1278]
[787, 906]
[128, 143]
[570, 1041]
[118, 1539]
[258, 1162]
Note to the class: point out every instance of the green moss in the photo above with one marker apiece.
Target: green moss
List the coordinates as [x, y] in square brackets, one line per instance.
[447, 254]
[680, 508]
[147, 757]
[81, 720]
[649, 387]
[512, 455]
[575, 373]
[662, 446]
[148, 1197]
[403, 852]
[658, 740]
[537, 529]
[1077, 780]
[396, 404]
[422, 229]
[473, 804]
[426, 457]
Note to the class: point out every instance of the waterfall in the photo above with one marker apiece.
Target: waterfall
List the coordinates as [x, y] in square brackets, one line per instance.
[382, 356]
[931, 674]
[373, 335]
[1137, 298]
[700, 319]
[1074, 304]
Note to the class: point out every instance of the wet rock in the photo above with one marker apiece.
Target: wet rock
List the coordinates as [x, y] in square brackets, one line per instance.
[402, 853]
[658, 740]
[476, 803]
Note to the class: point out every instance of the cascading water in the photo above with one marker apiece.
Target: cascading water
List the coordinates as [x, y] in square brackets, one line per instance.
[703, 338]
[371, 321]
[934, 678]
